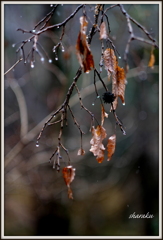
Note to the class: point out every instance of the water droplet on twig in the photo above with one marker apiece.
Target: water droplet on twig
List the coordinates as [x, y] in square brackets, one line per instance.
[42, 59]
[50, 61]
[32, 65]
[13, 45]
[37, 145]
[93, 104]
[56, 58]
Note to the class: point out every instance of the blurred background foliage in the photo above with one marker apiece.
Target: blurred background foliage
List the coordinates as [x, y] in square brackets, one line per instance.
[36, 201]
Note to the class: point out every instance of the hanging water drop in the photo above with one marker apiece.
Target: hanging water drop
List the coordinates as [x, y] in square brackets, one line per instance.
[42, 59]
[56, 58]
[32, 65]
[57, 26]
[51, 5]
[50, 61]
[33, 30]
[13, 45]
[63, 49]
[93, 104]
[29, 40]
[37, 145]
[124, 133]
[98, 96]
[87, 72]
[123, 104]
[119, 57]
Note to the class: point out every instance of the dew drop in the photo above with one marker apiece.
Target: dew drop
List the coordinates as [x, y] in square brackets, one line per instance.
[63, 49]
[93, 104]
[57, 26]
[33, 30]
[13, 45]
[29, 40]
[51, 5]
[32, 65]
[119, 57]
[37, 145]
[98, 96]
[87, 72]
[123, 104]
[124, 133]
[56, 59]
[50, 61]
[42, 59]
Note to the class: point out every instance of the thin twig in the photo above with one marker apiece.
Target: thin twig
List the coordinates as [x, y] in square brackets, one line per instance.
[46, 18]
[13, 66]
[63, 23]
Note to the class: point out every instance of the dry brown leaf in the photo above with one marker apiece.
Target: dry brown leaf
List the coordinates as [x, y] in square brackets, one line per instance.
[68, 175]
[97, 147]
[118, 76]
[103, 115]
[121, 83]
[111, 146]
[103, 32]
[152, 60]
[110, 61]
[81, 151]
[83, 51]
[83, 24]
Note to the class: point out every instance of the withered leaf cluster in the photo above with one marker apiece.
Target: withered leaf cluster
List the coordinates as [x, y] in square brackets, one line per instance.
[99, 134]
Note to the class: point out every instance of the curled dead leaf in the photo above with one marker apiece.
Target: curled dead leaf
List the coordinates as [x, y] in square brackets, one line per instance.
[81, 151]
[103, 115]
[83, 51]
[103, 32]
[111, 146]
[151, 61]
[117, 74]
[97, 147]
[68, 175]
[121, 83]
